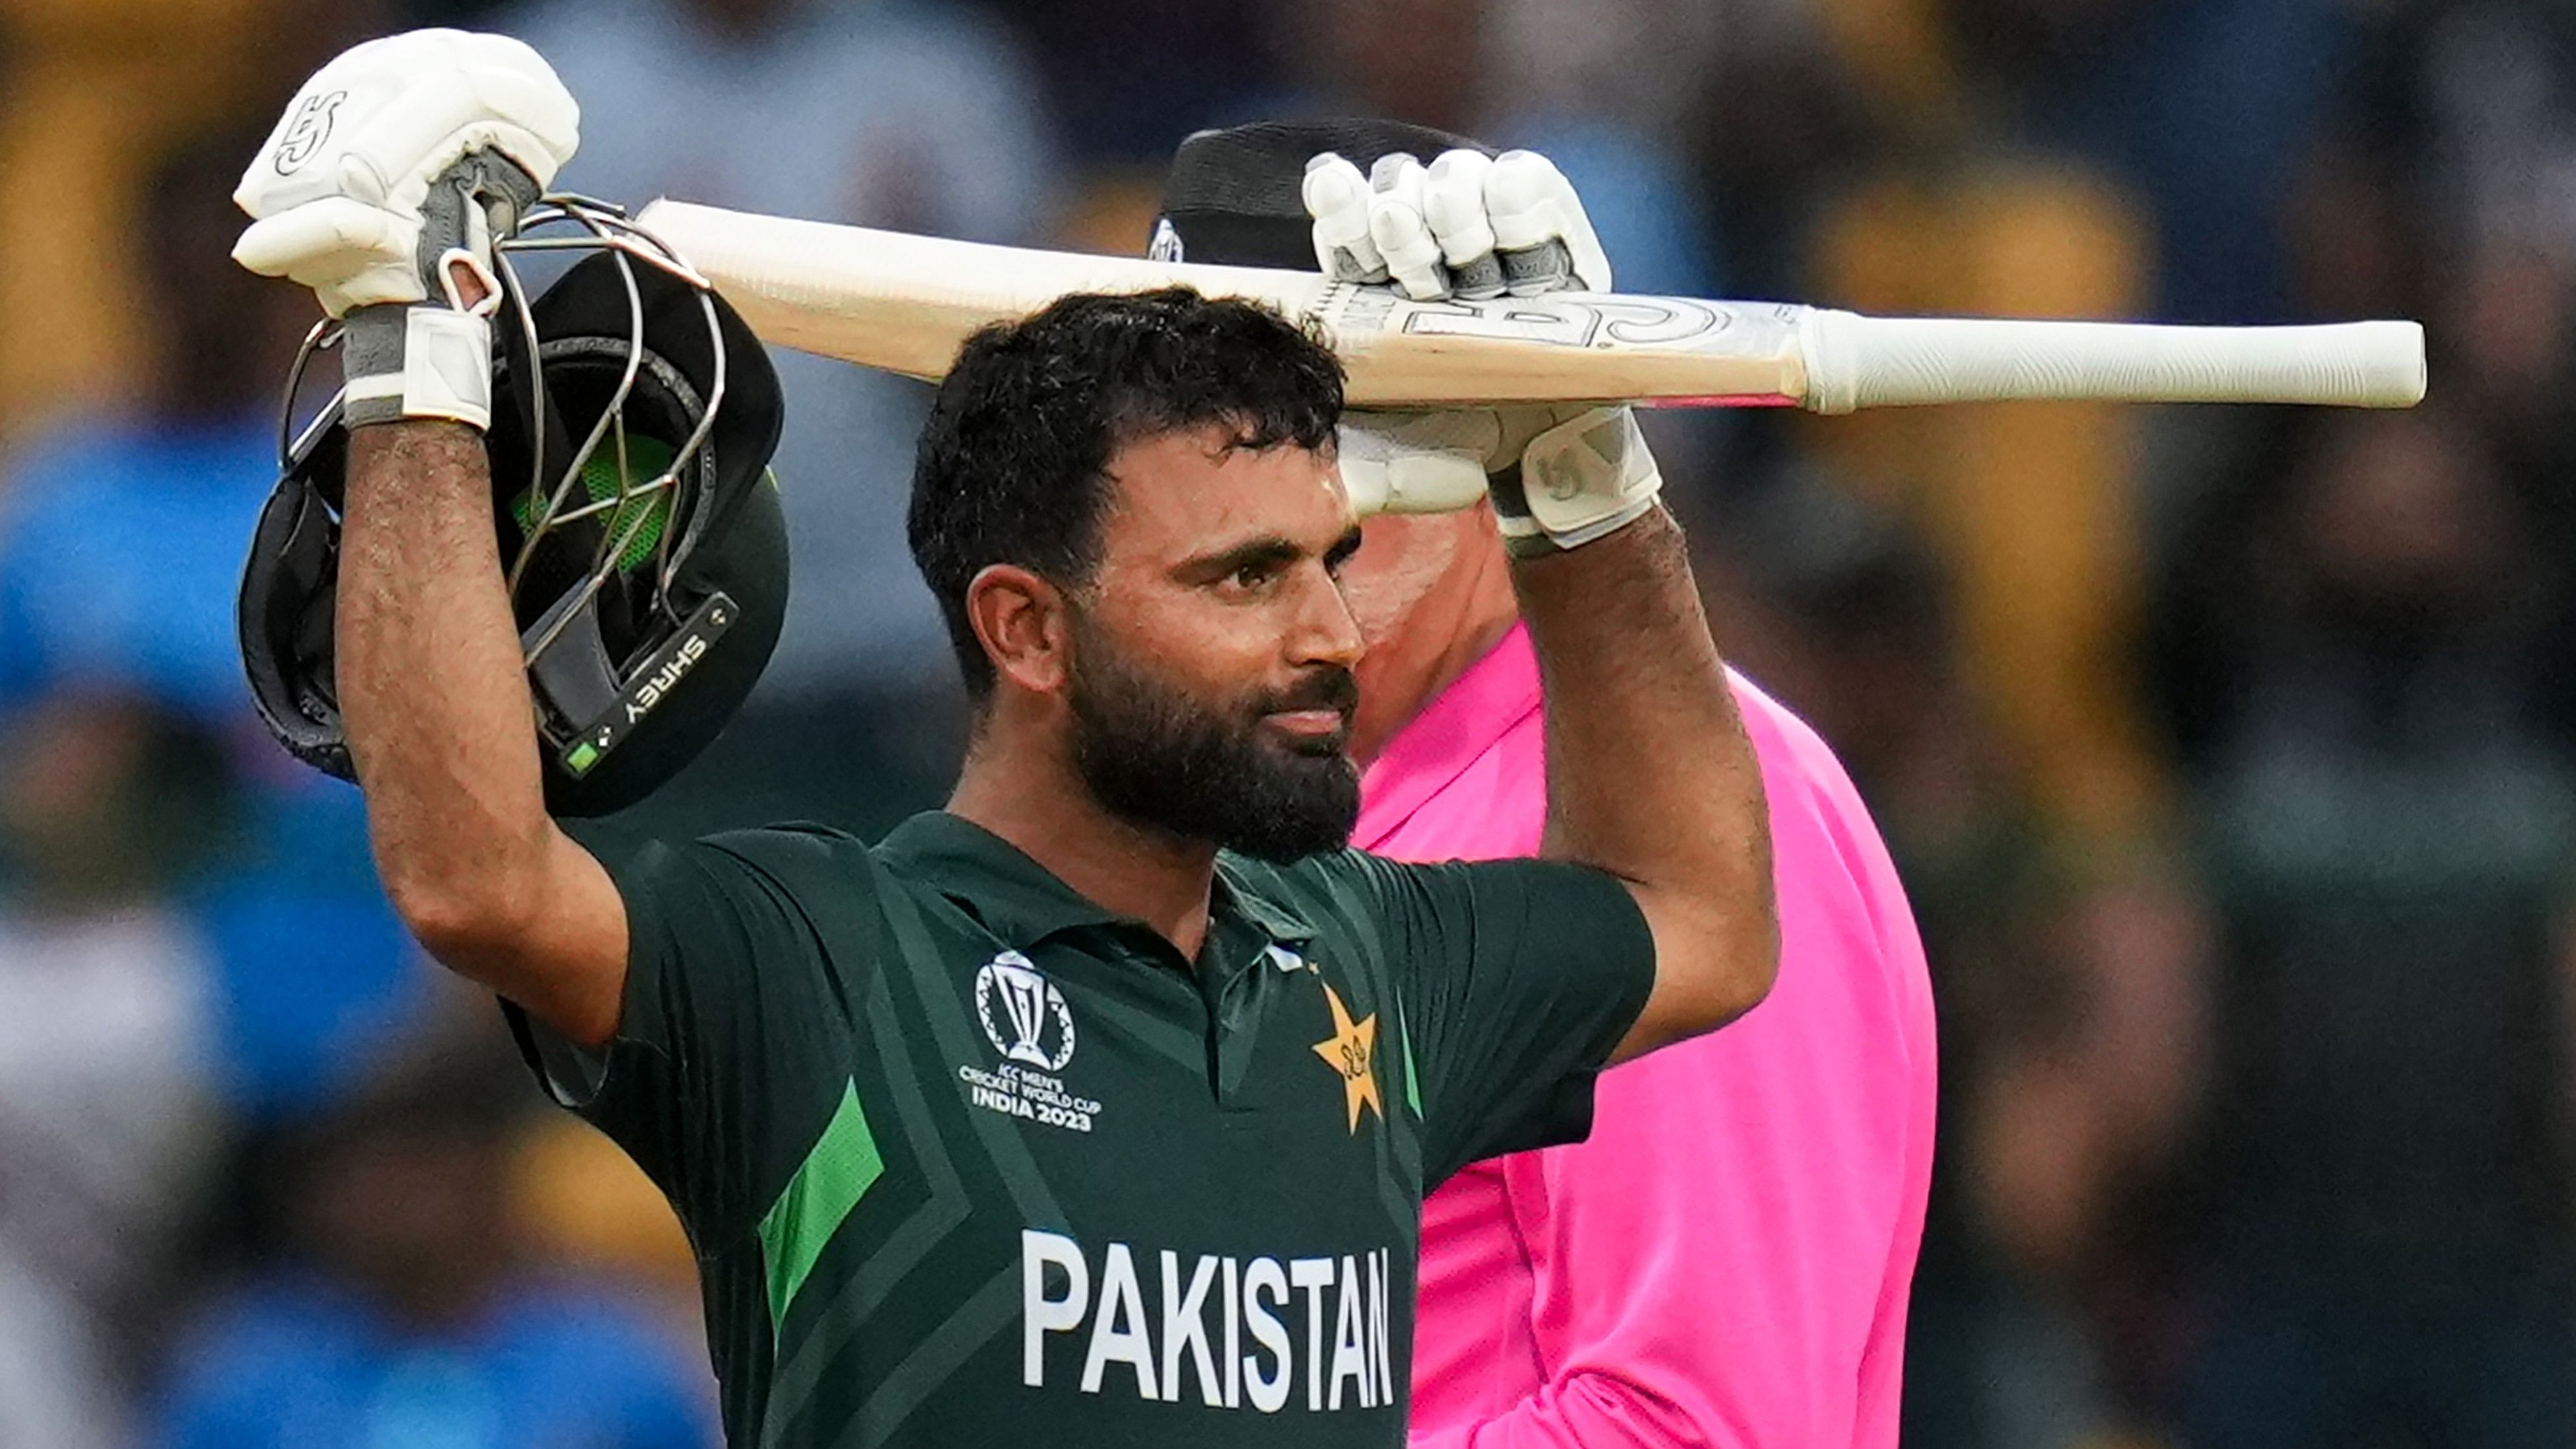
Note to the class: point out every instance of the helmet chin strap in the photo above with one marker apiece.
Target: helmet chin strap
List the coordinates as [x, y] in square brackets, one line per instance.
[576, 679]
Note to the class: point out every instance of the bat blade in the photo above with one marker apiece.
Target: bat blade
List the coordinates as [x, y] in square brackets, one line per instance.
[906, 303]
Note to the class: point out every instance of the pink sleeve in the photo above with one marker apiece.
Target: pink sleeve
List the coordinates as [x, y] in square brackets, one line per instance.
[1726, 1261]
[1882, 1363]
[1638, 1301]
[1915, 1088]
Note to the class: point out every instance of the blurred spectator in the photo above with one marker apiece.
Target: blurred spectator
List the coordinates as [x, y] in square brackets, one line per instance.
[2364, 666]
[55, 1387]
[2033, 507]
[122, 533]
[122, 536]
[581, 1202]
[402, 1313]
[1594, 86]
[92, 94]
[106, 803]
[1127, 79]
[2448, 191]
[2068, 987]
[2201, 108]
[1604, 88]
[1962, 202]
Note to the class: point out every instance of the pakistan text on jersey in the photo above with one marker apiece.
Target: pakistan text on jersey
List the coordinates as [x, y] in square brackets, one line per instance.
[1223, 1331]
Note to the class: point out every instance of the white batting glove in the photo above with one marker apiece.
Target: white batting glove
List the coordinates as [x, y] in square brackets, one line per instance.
[1417, 462]
[1467, 225]
[1474, 227]
[383, 188]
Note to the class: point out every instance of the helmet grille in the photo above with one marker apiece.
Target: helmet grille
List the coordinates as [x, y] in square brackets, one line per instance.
[639, 517]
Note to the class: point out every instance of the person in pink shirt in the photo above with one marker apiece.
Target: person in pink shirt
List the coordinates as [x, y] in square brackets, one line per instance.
[1726, 1261]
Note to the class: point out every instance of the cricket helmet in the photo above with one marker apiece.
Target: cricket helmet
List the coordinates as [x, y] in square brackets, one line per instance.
[640, 532]
[1235, 197]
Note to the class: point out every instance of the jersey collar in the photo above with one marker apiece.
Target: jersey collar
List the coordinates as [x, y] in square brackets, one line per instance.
[1021, 900]
[1278, 921]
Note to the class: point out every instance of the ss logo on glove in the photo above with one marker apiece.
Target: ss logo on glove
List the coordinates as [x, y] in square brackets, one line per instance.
[310, 128]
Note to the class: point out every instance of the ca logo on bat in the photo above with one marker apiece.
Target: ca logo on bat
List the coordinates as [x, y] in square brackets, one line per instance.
[1564, 322]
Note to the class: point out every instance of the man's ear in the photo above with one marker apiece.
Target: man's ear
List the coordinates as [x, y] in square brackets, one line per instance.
[1025, 626]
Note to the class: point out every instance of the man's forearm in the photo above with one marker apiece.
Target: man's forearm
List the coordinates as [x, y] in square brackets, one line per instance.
[432, 690]
[1650, 774]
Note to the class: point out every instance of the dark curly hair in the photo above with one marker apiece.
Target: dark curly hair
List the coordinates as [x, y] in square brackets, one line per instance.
[1013, 463]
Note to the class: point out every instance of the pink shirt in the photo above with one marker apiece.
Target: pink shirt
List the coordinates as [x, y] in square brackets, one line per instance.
[1726, 1260]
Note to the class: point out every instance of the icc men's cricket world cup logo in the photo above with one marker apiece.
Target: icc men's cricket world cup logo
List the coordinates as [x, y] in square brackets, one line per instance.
[1023, 1014]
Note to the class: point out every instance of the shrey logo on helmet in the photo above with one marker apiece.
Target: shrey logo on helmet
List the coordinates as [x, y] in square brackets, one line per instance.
[644, 548]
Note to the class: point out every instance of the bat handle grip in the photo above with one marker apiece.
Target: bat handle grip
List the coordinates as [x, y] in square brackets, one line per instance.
[1854, 361]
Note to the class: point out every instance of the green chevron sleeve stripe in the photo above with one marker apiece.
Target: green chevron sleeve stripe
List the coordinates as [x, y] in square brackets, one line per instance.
[827, 1187]
[1412, 1078]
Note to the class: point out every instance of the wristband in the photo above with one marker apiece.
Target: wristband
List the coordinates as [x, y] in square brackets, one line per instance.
[1582, 479]
[433, 358]
[416, 361]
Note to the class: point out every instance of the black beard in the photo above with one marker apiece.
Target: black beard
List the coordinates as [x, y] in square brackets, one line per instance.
[1152, 756]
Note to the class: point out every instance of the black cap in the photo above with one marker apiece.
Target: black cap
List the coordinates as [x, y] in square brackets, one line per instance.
[1235, 197]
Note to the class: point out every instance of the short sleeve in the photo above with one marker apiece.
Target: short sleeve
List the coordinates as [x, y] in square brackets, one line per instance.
[731, 1001]
[1517, 980]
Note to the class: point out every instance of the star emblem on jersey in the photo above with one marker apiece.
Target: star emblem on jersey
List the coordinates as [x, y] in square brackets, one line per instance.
[1352, 1054]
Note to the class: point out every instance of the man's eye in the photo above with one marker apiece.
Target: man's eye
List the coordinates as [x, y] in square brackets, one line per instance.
[1251, 576]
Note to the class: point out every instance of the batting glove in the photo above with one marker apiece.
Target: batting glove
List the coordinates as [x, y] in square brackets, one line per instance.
[384, 187]
[1475, 227]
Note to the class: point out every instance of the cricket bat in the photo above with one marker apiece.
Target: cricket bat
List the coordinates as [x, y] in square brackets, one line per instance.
[906, 303]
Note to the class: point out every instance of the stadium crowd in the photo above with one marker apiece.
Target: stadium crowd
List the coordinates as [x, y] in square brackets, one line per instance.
[2229, 755]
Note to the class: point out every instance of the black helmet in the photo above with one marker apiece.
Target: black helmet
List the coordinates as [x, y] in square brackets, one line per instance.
[640, 531]
[1235, 197]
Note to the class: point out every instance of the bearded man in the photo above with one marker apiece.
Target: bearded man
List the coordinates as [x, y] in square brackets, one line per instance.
[1726, 1259]
[1096, 1108]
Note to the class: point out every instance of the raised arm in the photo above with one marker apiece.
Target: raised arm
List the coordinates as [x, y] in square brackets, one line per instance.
[1650, 774]
[382, 188]
[442, 731]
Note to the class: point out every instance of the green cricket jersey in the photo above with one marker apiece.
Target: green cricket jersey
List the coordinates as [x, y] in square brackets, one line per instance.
[968, 1160]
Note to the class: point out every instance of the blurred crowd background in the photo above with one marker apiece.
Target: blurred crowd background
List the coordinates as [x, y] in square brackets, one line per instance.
[2229, 755]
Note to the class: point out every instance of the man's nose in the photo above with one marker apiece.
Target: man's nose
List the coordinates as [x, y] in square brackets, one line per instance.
[1327, 631]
